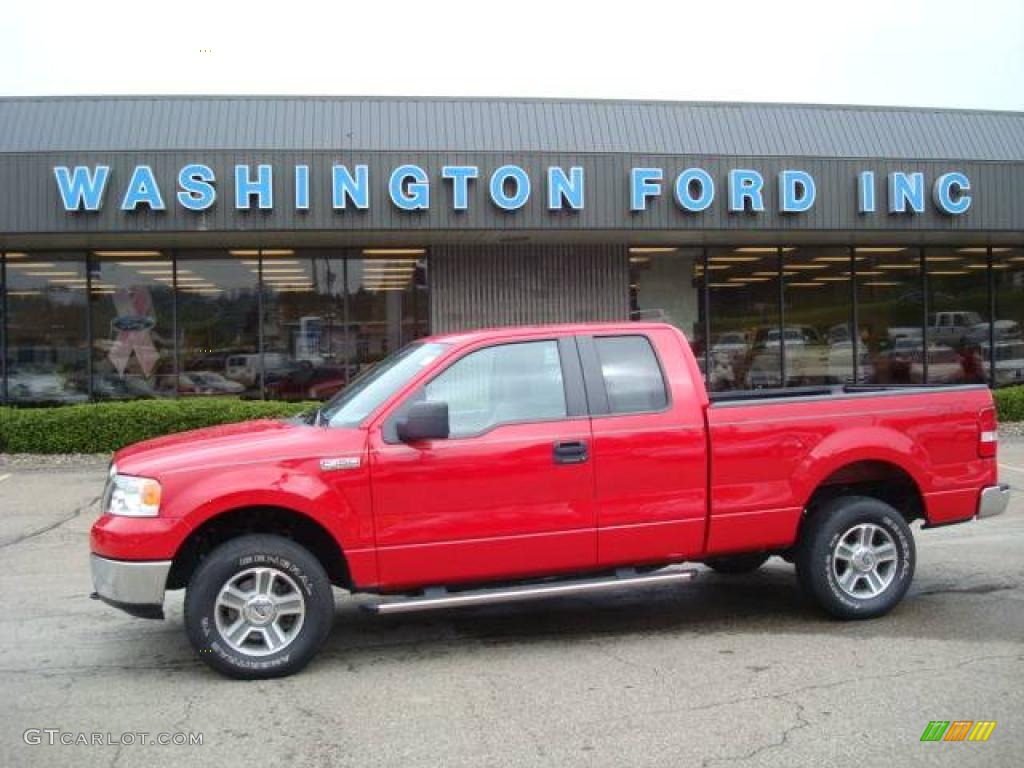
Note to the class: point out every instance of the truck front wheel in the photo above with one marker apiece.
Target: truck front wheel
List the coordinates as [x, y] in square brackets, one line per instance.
[258, 606]
[856, 557]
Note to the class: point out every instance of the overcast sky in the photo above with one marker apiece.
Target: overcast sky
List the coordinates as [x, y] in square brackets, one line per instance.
[949, 53]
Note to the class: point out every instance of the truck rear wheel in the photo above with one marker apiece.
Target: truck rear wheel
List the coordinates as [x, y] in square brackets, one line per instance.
[856, 557]
[258, 606]
[737, 564]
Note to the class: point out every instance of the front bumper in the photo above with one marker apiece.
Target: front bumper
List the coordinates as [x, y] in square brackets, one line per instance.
[136, 587]
[993, 500]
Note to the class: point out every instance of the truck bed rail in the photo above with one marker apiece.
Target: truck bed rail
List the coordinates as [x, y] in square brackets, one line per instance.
[783, 394]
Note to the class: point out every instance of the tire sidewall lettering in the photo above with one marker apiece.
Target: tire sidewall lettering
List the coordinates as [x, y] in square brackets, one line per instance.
[282, 564]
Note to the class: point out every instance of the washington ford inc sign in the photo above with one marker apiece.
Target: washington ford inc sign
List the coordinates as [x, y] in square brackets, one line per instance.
[509, 188]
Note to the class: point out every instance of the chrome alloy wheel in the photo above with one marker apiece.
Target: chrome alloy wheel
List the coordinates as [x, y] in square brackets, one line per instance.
[260, 611]
[864, 561]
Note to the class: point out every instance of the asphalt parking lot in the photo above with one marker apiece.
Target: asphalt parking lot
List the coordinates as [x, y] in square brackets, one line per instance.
[726, 671]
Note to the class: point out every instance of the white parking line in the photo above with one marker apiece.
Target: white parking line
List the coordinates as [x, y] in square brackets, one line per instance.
[3, 477]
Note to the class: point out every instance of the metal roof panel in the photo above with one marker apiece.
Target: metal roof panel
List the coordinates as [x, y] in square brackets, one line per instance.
[154, 123]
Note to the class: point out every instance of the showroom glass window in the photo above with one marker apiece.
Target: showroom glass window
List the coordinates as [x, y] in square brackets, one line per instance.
[387, 301]
[304, 331]
[745, 350]
[132, 309]
[819, 316]
[1008, 328]
[890, 312]
[218, 324]
[47, 340]
[666, 285]
[329, 314]
[958, 315]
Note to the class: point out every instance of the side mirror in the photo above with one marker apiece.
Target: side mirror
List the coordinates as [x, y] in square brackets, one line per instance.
[424, 421]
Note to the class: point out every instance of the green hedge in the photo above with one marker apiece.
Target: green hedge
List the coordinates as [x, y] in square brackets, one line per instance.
[1010, 403]
[102, 427]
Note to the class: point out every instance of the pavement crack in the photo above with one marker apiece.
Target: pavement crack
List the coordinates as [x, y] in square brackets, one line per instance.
[46, 529]
[826, 686]
[181, 722]
[800, 710]
[54, 672]
[980, 589]
[605, 651]
[801, 723]
[116, 756]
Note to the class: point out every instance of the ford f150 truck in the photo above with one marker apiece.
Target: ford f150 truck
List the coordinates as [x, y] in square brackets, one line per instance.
[521, 463]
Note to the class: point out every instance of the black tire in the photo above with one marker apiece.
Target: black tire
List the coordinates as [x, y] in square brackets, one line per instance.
[822, 573]
[297, 573]
[732, 565]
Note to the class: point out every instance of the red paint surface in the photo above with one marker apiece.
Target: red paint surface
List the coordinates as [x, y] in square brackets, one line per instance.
[693, 480]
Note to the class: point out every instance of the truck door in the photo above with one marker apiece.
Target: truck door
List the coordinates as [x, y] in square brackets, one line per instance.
[650, 449]
[511, 492]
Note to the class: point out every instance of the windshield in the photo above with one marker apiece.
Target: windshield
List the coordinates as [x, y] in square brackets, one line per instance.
[375, 385]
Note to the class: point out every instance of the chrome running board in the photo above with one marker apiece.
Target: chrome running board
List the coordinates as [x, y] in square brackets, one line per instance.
[439, 597]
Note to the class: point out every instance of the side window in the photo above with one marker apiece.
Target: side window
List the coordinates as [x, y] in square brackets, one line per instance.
[501, 384]
[631, 373]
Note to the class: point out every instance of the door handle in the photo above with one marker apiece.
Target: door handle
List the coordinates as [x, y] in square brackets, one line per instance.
[570, 452]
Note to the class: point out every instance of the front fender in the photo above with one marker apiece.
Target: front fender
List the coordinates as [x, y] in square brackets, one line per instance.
[195, 500]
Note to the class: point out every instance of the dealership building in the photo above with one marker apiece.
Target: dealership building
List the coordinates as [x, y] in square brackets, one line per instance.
[274, 247]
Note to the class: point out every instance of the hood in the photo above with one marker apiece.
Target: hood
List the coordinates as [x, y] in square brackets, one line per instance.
[244, 442]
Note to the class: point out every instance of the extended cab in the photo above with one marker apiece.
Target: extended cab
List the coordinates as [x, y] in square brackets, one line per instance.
[519, 463]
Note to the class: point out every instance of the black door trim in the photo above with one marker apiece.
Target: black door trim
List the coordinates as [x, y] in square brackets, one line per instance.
[593, 380]
[572, 378]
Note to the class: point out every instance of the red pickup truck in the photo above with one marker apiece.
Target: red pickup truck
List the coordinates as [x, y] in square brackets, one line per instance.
[521, 463]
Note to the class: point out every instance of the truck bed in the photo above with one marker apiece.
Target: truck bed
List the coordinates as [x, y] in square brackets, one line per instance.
[771, 449]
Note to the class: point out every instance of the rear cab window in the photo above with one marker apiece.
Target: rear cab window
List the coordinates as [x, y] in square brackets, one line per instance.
[633, 379]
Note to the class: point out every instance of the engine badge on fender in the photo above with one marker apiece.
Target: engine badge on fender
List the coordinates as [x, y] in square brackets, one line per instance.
[340, 462]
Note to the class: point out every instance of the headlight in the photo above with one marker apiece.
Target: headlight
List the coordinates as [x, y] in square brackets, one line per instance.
[134, 496]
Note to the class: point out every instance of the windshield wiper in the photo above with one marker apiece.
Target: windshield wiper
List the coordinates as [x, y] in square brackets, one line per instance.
[315, 417]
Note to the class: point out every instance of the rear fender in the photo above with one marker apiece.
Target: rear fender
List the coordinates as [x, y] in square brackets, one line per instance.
[849, 446]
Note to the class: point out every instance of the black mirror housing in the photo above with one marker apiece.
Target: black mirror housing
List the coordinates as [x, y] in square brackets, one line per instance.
[424, 421]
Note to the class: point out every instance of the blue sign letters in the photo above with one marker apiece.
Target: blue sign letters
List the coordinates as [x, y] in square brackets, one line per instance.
[142, 188]
[197, 192]
[745, 185]
[643, 183]
[520, 183]
[796, 191]
[345, 187]
[509, 188]
[80, 188]
[460, 176]
[950, 193]
[686, 182]
[262, 187]
[906, 189]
